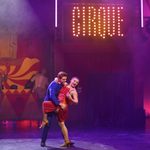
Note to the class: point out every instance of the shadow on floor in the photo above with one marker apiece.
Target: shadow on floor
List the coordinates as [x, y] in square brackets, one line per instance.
[69, 148]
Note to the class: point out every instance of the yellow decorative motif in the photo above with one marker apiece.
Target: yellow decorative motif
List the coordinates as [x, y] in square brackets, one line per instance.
[12, 69]
[19, 77]
[25, 77]
[26, 65]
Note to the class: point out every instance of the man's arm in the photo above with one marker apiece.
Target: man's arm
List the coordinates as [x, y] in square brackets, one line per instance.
[53, 93]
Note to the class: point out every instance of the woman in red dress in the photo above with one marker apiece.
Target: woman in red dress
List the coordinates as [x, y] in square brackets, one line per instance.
[67, 95]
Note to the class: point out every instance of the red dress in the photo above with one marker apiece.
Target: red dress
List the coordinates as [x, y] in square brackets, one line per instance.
[62, 114]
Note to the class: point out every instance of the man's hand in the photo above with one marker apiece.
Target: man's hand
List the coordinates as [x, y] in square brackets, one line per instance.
[63, 106]
[57, 110]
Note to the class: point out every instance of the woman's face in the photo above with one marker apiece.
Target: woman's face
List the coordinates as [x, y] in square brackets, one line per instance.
[74, 82]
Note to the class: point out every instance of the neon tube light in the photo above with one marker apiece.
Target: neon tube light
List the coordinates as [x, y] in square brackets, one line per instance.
[56, 23]
[142, 16]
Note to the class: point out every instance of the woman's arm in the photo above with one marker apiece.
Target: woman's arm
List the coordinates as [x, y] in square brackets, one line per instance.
[73, 96]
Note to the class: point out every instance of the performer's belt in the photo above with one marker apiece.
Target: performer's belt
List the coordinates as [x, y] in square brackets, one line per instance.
[48, 106]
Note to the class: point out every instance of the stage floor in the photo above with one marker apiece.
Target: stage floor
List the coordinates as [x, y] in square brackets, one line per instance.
[52, 144]
[28, 138]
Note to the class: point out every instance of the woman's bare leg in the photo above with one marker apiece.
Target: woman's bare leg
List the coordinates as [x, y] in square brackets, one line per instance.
[44, 121]
[64, 131]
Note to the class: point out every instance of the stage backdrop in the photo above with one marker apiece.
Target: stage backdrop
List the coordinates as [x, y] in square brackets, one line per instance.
[100, 42]
[17, 99]
[26, 35]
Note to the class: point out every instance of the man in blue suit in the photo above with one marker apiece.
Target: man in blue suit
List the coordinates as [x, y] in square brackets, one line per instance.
[52, 95]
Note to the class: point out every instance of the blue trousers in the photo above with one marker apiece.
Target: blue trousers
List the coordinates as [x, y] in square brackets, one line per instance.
[46, 127]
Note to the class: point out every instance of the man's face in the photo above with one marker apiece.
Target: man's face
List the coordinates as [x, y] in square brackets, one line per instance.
[74, 82]
[63, 80]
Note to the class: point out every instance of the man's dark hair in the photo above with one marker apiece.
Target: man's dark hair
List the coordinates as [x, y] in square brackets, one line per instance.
[61, 74]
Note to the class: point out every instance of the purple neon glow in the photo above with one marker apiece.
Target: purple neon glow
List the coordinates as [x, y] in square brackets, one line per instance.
[56, 13]
[142, 17]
